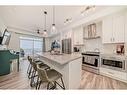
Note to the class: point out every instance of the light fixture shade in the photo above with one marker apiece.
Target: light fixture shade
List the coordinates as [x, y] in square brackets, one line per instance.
[53, 29]
[45, 33]
[45, 30]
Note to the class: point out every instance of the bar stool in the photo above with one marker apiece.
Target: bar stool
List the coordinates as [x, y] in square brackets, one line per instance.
[49, 76]
[34, 70]
[30, 68]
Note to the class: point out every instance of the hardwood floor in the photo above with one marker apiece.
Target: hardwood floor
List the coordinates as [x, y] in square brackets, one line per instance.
[89, 81]
[94, 81]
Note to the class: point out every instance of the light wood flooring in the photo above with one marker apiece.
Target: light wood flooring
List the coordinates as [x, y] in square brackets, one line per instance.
[94, 81]
[89, 81]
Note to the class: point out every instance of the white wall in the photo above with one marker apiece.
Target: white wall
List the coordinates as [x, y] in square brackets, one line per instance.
[14, 42]
[15, 38]
[109, 48]
[109, 10]
[2, 27]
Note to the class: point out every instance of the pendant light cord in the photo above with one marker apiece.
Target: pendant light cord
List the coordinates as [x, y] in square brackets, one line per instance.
[54, 15]
[45, 19]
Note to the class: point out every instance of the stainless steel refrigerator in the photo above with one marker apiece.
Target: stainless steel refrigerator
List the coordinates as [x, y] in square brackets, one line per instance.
[66, 46]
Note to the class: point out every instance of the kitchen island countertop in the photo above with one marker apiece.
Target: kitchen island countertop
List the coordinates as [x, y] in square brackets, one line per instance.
[60, 58]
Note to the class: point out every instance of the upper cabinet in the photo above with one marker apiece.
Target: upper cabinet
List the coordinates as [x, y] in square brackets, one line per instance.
[118, 28]
[107, 30]
[126, 28]
[78, 35]
[113, 28]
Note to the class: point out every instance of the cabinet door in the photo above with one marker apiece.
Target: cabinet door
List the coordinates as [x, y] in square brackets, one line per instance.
[107, 30]
[118, 28]
[78, 35]
[125, 28]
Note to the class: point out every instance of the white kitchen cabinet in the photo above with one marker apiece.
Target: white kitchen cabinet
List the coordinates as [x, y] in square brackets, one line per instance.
[78, 35]
[118, 28]
[122, 76]
[107, 30]
[113, 29]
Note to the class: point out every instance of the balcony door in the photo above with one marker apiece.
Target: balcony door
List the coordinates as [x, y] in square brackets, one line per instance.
[30, 46]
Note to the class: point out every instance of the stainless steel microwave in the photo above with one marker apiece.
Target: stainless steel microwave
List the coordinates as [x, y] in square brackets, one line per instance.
[113, 63]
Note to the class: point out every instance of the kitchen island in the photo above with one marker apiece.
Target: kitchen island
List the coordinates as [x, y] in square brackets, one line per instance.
[69, 65]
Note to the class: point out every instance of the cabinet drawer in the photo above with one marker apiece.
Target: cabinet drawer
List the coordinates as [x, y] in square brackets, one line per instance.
[114, 74]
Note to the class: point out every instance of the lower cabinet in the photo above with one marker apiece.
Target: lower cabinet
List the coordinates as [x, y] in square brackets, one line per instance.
[118, 75]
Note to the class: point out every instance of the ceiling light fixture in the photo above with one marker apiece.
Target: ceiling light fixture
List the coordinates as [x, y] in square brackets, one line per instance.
[38, 31]
[68, 20]
[53, 28]
[44, 33]
[87, 10]
[45, 30]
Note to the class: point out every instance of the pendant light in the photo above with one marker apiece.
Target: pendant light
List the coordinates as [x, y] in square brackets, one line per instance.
[53, 28]
[45, 30]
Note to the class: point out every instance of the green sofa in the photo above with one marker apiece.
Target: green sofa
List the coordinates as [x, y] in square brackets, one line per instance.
[6, 58]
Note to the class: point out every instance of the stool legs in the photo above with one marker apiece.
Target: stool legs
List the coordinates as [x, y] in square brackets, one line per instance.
[54, 85]
[28, 69]
[63, 86]
[62, 83]
[38, 85]
[32, 82]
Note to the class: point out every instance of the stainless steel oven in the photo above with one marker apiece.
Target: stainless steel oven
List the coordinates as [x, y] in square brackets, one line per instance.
[90, 61]
[113, 63]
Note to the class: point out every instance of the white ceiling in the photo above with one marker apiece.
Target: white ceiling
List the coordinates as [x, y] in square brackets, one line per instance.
[32, 17]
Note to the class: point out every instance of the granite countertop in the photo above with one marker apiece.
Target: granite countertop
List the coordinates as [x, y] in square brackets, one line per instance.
[61, 59]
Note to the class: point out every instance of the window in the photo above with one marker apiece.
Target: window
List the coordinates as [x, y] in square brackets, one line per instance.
[30, 46]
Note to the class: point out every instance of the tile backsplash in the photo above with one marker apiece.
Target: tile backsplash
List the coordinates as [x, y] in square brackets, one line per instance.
[109, 48]
[92, 45]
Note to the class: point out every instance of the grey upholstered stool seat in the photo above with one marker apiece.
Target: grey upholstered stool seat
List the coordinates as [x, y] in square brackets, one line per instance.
[33, 69]
[53, 75]
[37, 61]
[50, 76]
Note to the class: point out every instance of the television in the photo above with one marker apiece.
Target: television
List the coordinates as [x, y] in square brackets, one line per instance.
[6, 37]
[1, 40]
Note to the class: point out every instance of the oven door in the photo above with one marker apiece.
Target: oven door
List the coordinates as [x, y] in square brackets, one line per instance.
[113, 64]
[90, 60]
